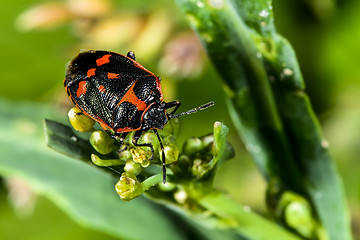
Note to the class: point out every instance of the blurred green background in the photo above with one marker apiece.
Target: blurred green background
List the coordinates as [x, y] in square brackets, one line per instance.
[38, 38]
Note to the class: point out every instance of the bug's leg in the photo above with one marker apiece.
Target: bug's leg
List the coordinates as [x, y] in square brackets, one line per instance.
[135, 140]
[162, 155]
[121, 139]
[131, 55]
[118, 137]
[113, 136]
[175, 104]
[122, 136]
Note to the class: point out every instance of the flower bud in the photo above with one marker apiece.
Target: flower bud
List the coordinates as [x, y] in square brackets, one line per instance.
[149, 137]
[171, 153]
[192, 146]
[128, 187]
[125, 155]
[171, 127]
[208, 142]
[298, 215]
[198, 168]
[80, 121]
[181, 196]
[102, 142]
[166, 187]
[139, 156]
[133, 167]
[182, 168]
[171, 139]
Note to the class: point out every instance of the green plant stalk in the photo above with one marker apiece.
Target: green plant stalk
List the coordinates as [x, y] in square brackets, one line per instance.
[105, 163]
[152, 181]
[273, 116]
[243, 219]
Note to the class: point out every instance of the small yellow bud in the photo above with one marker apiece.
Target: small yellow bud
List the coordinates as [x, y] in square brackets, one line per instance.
[80, 121]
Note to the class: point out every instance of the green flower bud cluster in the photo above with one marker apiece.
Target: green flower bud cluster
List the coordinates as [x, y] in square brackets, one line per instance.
[192, 171]
[294, 211]
[195, 157]
[132, 159]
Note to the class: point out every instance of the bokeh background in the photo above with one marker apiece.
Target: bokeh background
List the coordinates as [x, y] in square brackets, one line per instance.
[38, 38]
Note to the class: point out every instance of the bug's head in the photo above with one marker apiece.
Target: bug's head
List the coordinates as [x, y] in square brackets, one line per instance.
[155, 117]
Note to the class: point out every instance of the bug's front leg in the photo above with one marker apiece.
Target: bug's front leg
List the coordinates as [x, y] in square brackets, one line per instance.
[119, 137]
[162, 155]
[175, 104]
[135, 140]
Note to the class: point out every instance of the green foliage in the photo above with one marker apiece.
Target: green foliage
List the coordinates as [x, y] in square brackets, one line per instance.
[267, 103]
[264, 89]
[191, 192]
[87, 194]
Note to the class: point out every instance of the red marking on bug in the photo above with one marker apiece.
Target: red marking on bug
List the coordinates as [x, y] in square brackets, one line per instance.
[91, 72]
[104, 125]
[158, 87]
[103, 60]
[126, 129]
[102, 88]
[132, 98]
[138, 65]
[81, 89]
[113, 75]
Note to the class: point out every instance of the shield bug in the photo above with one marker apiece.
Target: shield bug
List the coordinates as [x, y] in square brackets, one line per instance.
[121, 95]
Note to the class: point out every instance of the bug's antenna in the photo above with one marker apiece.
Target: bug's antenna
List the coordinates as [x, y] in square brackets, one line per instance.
[209, 104]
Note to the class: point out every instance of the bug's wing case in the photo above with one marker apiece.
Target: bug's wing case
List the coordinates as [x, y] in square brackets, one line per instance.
[103, 106]
[91, 103]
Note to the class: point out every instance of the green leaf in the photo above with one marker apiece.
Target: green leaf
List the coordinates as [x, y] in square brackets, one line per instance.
[62, 138]
[265, 95]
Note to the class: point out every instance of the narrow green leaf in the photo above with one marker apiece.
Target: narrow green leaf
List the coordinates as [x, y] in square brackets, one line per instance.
[250, 97]
[320, 176]
[271, 113]
[62, 139]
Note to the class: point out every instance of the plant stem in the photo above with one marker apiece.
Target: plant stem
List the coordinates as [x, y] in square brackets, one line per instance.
[151, 181]
[244, 220]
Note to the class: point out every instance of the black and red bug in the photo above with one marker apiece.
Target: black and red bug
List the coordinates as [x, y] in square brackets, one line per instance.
[121, 95]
